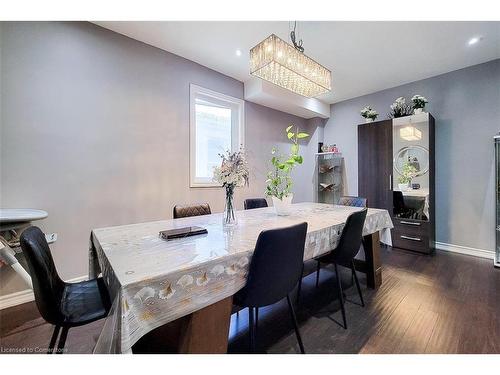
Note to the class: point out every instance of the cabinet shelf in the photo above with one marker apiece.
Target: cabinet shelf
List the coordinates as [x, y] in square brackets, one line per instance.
[329, 169]
[329, 177]
[338, 154]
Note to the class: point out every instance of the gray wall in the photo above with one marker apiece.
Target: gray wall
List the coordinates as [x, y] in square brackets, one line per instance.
[466, 106]
[95, 129]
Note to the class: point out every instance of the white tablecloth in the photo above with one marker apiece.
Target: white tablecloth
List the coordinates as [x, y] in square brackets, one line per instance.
[153, 281]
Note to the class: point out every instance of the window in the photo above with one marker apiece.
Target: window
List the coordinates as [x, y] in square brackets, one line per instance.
[216, 125]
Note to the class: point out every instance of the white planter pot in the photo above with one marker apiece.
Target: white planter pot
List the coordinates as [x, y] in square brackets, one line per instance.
[403, 187]
[282, 207]
[418, 111]
[369, 120]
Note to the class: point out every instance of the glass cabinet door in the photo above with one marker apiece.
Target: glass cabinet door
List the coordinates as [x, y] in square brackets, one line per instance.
[411, 167]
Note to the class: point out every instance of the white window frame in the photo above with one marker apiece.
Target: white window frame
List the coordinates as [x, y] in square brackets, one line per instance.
[238, 123]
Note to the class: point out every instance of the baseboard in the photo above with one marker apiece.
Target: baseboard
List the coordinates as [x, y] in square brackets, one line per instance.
[16, 298]
[465, 250]
[24, 296]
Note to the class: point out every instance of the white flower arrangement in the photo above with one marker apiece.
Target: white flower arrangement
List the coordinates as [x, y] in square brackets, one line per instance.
[400, 102]
[399, 108]
[233, 171]
[369, 113]
[419, 101]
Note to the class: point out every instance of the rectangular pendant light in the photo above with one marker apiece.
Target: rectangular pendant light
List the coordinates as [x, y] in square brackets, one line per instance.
[410, 133]
[278, 62]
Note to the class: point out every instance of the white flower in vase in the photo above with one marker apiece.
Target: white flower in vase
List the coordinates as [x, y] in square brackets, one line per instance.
[232, 173]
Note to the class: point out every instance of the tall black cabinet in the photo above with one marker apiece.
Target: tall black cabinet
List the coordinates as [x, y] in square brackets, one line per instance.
[396, 170]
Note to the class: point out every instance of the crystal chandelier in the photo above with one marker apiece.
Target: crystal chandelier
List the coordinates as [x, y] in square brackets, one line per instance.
[278, 62]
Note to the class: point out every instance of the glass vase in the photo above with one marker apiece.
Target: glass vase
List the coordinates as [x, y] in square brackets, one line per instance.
[229, 216]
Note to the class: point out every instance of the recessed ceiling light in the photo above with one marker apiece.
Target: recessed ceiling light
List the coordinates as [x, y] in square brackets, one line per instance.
[238, 52]
[474, 40]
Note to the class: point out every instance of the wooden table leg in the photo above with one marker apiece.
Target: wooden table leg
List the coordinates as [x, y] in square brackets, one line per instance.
[206, 331]
[371, 265]
[371, 245]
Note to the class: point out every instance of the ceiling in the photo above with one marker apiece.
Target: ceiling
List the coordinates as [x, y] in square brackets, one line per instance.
[364, 57]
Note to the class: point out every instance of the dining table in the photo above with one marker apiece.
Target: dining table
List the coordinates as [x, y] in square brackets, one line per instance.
[184, 286]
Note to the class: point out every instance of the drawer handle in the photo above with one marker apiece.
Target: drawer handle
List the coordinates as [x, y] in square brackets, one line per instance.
[410, 223]
[411, 238]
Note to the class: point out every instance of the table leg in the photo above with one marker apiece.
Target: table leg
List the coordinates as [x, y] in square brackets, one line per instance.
[372, 259]
[206, 331]
[371, 265]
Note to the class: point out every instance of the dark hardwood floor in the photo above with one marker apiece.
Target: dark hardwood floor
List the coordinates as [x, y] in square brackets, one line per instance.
[446, 303]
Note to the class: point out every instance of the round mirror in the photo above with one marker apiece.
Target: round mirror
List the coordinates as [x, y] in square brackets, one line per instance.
[416, 156]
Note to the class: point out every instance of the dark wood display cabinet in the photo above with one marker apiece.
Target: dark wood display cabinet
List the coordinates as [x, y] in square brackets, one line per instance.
[396, 172]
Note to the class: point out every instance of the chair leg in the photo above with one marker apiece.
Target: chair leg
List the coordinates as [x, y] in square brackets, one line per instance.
[62, 340]
[357, 283]
[295, 325]
[53, 340]
[256, 321]
[318, 268]
[251, 330]
[341, 295]
[299, 287]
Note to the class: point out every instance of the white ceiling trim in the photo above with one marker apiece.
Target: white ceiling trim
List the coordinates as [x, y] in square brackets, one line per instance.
[272, 96]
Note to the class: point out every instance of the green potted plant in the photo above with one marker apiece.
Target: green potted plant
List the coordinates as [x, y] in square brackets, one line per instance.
[418, 103]
[279, 180]
[407, 173]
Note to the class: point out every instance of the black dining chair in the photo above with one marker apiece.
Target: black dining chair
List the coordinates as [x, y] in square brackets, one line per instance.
[353, 201]
[313, 265]
[400, 209]
[275, 270]
[252, 203]
[62, 304]
[344, 253]
[188, 210]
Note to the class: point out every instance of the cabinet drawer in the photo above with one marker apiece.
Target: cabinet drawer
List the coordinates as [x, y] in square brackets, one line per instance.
[410, 227]
[415, 242]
